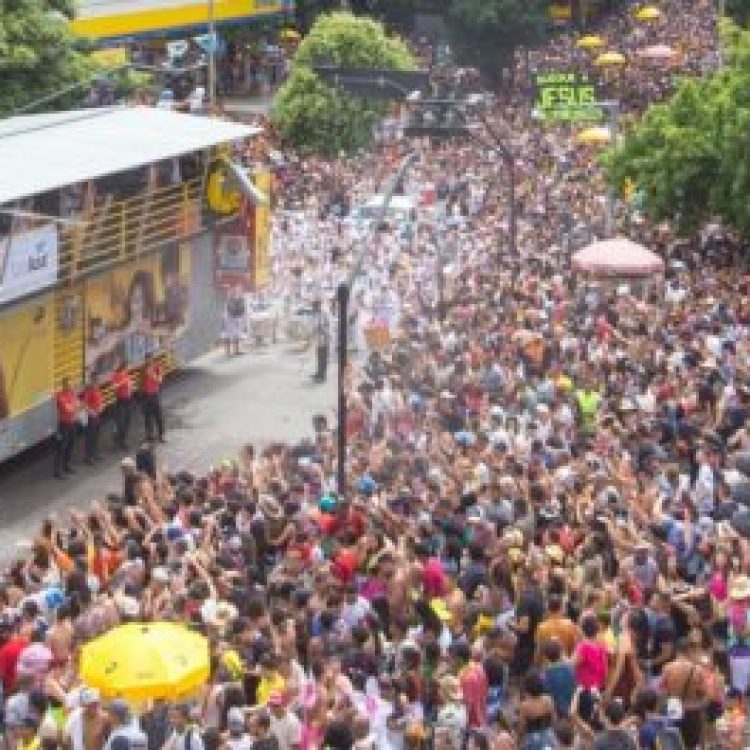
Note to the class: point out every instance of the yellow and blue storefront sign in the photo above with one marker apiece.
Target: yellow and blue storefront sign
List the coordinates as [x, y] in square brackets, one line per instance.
[113, 19]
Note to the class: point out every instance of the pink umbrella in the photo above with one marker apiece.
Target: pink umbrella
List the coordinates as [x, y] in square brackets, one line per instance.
[658, 52]
[617, 257]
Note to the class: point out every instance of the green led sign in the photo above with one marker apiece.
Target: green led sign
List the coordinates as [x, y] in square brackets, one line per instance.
[566, 97]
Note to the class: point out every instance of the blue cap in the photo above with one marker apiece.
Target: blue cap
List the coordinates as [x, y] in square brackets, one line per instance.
[53, 598]
[366, 485]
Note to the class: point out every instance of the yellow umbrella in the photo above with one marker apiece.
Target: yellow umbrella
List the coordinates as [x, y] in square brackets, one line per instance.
[648, 13]
[610, 58]
[590, 42]
[596, 136]
[146, 660]
[289, 35]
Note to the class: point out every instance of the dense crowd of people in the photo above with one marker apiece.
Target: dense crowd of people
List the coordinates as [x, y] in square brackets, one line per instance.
[543, 542]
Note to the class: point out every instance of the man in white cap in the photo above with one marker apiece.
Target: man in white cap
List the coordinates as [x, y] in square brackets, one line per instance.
[86, 726]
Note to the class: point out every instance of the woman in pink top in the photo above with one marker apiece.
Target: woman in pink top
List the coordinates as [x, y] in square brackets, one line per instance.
[590, 658]
[718, 583]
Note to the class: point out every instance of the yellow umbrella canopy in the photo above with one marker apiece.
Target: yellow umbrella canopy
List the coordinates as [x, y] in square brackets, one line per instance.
[648, 13]
[610, 58]
[594, 136]
[591, 41]
[141, 661]
[289, 35]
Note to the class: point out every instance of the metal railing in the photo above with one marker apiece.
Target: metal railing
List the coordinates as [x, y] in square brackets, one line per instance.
[119, 231]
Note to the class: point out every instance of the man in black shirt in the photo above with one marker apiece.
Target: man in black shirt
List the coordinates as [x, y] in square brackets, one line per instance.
[529, 613]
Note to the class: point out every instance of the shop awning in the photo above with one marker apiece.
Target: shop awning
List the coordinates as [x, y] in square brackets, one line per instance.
[110, 19]
[46, 152]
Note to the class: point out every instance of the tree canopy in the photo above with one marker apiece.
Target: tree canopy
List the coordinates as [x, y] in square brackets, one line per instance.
[309, 113]
[690, 155]
[38, 54]
[487, 32]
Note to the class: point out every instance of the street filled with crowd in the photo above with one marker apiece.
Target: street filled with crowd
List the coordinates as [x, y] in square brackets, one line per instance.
[544, 540]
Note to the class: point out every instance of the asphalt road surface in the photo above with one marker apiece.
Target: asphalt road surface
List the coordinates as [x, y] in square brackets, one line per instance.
[211, 409]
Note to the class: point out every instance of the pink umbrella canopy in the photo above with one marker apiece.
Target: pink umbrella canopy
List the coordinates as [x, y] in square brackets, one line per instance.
[617, 257]
[658, 52]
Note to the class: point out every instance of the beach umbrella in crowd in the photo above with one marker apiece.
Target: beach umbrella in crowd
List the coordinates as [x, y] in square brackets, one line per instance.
[658, 52]
[289, 35]
[610, 58]
[142, 661]
[617, 257]
[648, 13]
[590, 41]
[595, 136]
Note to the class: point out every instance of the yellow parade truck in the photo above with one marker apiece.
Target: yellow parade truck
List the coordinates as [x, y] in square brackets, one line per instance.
[112, 247]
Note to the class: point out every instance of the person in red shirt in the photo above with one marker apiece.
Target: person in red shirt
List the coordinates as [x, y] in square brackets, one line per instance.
[122, 383]
[93, 401]
[66, 405]
[9, 653]
[153, 375]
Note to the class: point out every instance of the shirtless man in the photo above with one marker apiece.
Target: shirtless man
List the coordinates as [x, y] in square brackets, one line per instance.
[684, 678]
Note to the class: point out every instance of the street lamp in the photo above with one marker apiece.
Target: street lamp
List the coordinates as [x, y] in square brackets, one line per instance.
[343, 293]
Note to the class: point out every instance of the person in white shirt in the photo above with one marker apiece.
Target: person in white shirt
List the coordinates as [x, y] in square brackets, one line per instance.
[185, 736]
[86, 718]
[285, 726]
[236, 737]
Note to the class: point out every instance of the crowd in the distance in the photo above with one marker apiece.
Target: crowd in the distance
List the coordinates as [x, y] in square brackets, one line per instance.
[543, 539]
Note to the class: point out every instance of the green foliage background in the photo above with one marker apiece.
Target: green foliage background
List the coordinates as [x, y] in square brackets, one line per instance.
[38, 54]
[309, 113]
[691, 155]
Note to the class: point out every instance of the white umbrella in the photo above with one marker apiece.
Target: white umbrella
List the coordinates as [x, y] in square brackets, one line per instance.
[617, 257]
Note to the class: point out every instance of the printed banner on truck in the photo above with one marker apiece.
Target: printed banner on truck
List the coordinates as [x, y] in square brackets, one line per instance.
[137, 309]
[28, 262]
[26, 357]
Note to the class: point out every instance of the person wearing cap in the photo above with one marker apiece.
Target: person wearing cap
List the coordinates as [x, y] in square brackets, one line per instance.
[87, 723]
[236, 736]
[285, 725]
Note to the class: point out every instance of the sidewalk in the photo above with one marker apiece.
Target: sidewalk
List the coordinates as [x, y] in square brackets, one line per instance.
[211, 408]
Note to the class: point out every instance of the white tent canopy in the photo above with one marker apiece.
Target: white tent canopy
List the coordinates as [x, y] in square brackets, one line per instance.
[45, 152]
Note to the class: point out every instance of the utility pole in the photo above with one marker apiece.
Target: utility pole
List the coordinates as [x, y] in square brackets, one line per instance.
[211, 54]
[343, 294]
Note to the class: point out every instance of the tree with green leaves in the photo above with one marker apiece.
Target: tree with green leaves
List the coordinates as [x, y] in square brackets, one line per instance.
[309, 113]
[689, 155]
[38, 53]
[486, 33]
